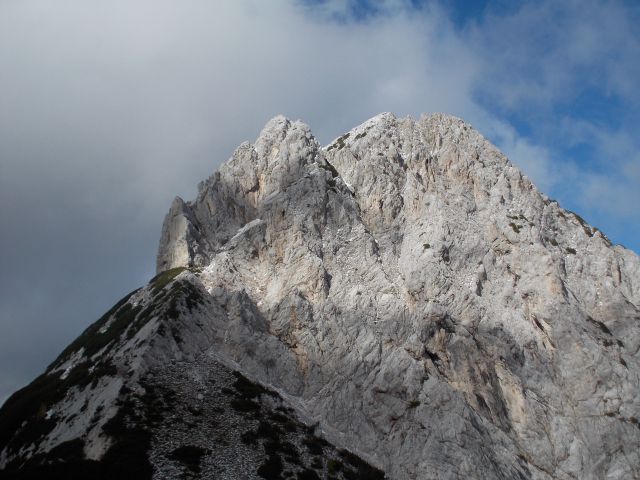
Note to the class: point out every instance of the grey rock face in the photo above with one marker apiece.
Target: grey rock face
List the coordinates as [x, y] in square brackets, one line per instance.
[408, 289]
[441, 313]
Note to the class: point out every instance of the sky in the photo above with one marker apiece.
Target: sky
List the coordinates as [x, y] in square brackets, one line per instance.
[110, 109]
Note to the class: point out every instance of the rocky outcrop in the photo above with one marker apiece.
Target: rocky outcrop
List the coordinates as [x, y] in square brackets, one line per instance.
[192, 233]
[406, 288]
[181, 241]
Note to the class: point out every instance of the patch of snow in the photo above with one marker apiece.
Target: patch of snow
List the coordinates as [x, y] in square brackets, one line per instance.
[70, 363]
[66, 372]
[106, 326]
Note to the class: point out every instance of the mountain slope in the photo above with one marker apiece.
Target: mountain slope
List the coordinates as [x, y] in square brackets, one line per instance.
[405, 287]
[149, 405]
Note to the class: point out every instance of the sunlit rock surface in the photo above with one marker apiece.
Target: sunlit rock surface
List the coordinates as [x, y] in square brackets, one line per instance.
[404, 293]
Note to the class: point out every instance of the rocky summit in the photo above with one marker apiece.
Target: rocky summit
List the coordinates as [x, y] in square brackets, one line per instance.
[402, 303]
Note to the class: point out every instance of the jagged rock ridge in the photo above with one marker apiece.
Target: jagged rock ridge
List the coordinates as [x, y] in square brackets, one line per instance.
[405, 287]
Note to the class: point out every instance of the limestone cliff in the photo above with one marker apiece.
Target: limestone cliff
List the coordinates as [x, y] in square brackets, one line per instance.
[405, 288]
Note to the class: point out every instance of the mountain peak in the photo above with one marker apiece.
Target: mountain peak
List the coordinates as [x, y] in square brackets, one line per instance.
[405, 289]
[429, 150]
